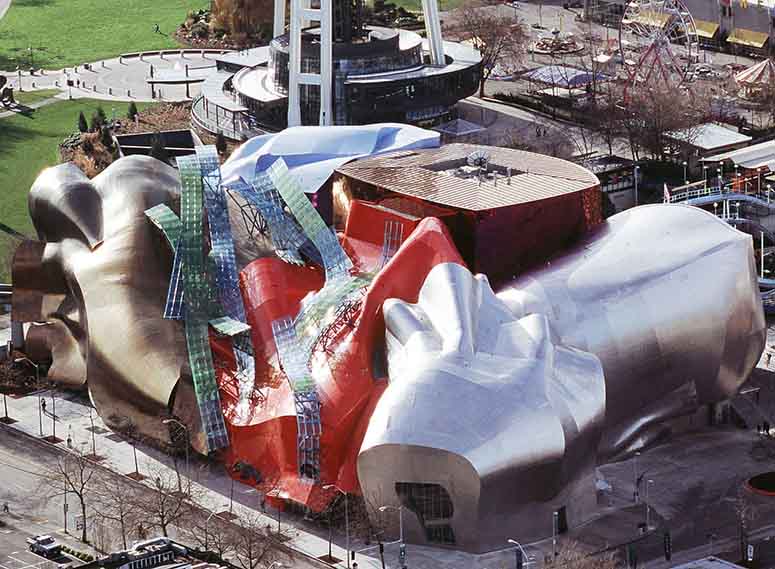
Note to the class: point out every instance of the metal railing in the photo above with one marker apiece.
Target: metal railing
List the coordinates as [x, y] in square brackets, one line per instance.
[728, 190]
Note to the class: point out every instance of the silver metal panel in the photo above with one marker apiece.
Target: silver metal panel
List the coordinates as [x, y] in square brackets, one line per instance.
[506, 402]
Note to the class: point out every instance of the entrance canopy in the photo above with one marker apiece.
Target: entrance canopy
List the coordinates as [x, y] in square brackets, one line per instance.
[748, 38]
[706, 30]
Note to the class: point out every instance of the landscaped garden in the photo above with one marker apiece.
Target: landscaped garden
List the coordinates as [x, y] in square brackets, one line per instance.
[28, 144]
[64, 33]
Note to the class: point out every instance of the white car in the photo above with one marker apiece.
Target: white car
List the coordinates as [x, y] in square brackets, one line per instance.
[44, 545]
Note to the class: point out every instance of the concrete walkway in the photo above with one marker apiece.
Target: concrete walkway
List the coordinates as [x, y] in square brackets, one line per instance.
[120, 79]
[4, 5]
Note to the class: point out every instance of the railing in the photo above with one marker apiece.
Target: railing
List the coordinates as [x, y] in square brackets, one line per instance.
[221, 120]
[724, 191]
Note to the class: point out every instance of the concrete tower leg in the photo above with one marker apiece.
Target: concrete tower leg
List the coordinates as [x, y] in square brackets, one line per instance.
[279, 18]
[294, 64]
[326, 61]
[430, 10]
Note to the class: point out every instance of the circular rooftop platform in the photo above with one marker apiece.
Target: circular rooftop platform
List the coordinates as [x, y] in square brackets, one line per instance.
[763, 484]
[445, 177]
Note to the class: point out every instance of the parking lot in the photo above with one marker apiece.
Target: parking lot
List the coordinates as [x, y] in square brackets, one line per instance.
[15, 553]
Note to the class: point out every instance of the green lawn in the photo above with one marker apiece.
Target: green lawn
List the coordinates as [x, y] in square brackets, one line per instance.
[416, 5]
[32, 97]
[69, 32]
[29, 144]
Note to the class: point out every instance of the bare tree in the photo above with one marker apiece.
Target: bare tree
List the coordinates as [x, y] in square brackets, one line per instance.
[115, 502]
[501, 39]
[162, 504]
[75, 474]
[209, 532]
[572, 556]
[254, 543]
[652, 113]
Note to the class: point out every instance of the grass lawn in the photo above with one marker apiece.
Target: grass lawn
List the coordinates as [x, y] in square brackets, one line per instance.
[416, 5]
[29, 144]
[32, 97]
[68, 32]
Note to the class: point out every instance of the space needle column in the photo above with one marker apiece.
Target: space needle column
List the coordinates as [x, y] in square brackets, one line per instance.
[301, 15]
[430, 11]
[279, 18]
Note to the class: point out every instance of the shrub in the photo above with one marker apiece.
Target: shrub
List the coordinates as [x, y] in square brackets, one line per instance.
[132, 111]
[106, 138]
[82, 124]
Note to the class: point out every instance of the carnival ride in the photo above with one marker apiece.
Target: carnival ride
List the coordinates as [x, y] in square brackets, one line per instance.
[662, 37]
[373, 359]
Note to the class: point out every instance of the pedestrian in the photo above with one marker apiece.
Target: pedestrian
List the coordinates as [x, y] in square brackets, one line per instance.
[156, 29]
[769, 357]
[69, 441]
[5, 508]
[43, 405]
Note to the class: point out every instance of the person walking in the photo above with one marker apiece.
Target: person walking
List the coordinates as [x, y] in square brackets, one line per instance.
[43, 405]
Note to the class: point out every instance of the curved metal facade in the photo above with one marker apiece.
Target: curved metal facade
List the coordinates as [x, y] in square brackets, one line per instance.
[479, 412]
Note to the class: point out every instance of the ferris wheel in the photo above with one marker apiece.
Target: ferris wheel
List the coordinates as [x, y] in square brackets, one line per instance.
[658, 41]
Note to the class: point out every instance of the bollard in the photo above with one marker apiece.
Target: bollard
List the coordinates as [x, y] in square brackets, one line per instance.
[182, 54]
[161, 55]
[202, 54]
[110, 90]
[121, 59]
[129, 93]
[141, 56]
[186, 69]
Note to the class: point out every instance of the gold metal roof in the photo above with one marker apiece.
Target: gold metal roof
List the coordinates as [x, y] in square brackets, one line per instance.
[434, 175]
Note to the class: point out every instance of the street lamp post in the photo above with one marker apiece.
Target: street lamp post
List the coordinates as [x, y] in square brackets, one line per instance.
[527, 560]
[686, 178]
[53, 416]
[648, 508]
[188, 444]
[705, 174]
[635, 172]
[346, 518]
[400, 519]
[37, 386]
[636, 493]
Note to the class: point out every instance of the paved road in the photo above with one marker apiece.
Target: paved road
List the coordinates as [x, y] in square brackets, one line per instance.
[4, 5]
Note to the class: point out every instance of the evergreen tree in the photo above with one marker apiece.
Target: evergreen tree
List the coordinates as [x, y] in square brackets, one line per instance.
[105, 138]
[82, 124]
[103, 117]
[96, 122]
[132, 111]
[220, 143]
[158, 150]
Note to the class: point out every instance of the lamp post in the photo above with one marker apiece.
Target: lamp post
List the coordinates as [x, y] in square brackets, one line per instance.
[635, 494]
[346, 518]
[686, 178]
[37, 386]
[528, 560]
[555, 531]
[635, 172]
[759, 177]
[188, 444]
[400, 519]
[705, 175]
[648, 508]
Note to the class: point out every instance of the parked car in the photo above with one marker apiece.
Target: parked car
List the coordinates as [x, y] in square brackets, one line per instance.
[44, 545]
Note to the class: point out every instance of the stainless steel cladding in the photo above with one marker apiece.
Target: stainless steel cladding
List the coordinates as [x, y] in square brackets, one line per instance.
[499, 407]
